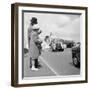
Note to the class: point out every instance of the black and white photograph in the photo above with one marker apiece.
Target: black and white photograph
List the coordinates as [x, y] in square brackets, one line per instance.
[51, 44]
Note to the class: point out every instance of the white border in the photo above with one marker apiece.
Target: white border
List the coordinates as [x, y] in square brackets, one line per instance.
[55, 78]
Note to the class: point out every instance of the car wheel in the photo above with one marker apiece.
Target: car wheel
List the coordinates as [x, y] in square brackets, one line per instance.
[61, 50]
[76, 62]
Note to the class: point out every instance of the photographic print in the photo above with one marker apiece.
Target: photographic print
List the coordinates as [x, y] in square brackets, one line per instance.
[50, 44]
[59, 33]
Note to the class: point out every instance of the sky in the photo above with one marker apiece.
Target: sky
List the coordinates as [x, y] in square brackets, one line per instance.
[64, 26]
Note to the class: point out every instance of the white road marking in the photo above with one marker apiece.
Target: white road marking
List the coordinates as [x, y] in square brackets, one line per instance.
[49, 66]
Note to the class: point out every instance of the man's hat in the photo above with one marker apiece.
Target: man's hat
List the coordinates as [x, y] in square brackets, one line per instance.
[34, 19]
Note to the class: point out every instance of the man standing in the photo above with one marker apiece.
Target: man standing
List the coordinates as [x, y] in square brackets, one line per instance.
[32, 22]
[34, 51]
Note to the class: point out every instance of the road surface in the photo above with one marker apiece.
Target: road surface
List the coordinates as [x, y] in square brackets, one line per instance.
[52, 64]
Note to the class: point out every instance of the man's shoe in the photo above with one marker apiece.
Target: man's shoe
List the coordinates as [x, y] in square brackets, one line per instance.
[34, 69]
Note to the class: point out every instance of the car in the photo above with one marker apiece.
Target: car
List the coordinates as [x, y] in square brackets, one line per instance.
[76, 55]
[56, 46]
